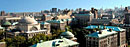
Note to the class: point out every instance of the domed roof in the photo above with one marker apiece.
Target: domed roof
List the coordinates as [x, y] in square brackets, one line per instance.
[67, 34]
[7, 23]
[28, 20]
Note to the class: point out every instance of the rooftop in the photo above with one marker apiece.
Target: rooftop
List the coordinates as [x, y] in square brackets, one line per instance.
[44, 23]
[102, 27]
[7, 23]
[60, 20]
[28, 20]
[84, 14]
[103, 34]
[60, 42]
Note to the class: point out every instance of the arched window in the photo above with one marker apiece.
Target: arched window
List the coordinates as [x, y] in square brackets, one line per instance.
[33, 29]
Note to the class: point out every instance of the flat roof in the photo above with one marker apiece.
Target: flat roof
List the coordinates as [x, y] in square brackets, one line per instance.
[104, 33]
[102, 27]
[65, 42]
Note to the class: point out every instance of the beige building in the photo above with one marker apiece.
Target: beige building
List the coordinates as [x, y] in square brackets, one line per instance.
[103, 38]
[84, 18]
[28, 27]
[104, 22]
[57, 43]
[121, 33]
[3, 17]
[12, 19]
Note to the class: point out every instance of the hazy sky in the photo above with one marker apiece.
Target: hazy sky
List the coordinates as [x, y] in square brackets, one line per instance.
[38, 5]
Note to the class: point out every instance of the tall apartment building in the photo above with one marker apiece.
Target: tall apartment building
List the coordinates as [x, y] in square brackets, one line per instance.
[104, 22]
[84, 18]
[95, 12]
[2, 13]
[127, 18]
[54, 10]
[121, 33]
[103, 38]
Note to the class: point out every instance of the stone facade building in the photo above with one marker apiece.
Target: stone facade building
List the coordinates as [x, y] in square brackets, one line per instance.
[121, 34]
[28, 27]
[102, 38]
[127, 18]
[84, 18]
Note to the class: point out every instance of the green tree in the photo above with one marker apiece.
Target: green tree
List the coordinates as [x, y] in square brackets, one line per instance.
[56, 33]
[37, 38]
[9, 42]
[19, 40]
[15, 41]
[2, 34]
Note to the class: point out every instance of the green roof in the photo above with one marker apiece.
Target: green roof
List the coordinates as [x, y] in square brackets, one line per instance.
[7, 23]
[67, 34]
[65, 42]
[84, 14]
[44, 23]
[55, 21]
[102, 27]
[104, 33]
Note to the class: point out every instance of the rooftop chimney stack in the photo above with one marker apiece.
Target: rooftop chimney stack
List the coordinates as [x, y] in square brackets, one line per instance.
[110, 30]
[100, 32]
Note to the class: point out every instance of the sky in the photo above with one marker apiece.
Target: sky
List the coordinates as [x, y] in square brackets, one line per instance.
[38, 5]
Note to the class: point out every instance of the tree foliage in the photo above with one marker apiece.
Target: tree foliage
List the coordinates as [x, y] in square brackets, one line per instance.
[37, 38]
[15, 41]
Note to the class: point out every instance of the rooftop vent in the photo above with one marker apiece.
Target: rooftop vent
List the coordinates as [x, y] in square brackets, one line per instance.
[104, 27]
[110, 30]
[60, 41]
[100, 32]
[57, 44]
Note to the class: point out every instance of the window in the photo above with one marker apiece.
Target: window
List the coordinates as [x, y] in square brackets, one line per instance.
[33, 29]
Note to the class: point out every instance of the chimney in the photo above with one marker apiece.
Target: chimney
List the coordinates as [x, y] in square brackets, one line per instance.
[110, 30]
[104, 27]
[100, 32]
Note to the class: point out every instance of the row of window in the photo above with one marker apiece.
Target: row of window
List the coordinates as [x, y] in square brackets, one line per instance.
[33, 34]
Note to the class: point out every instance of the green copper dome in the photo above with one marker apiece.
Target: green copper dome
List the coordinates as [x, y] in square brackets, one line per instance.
[67, 34]
[7, 23]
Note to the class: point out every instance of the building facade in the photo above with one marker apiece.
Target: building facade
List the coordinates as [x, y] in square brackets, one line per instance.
[102, 38]
[121, 34]
[28, 27]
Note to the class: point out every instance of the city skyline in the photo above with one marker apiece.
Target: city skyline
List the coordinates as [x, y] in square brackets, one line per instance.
[38, 5]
